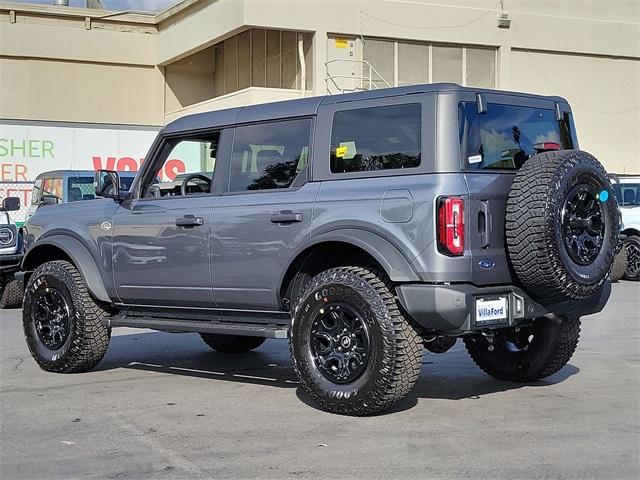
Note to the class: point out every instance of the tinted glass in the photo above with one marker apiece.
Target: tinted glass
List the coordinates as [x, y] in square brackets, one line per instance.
[627, 193]
[269, 156]
[506, 136]
[378, 138]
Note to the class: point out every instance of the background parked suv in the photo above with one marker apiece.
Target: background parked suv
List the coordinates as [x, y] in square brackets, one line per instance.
[363, 227]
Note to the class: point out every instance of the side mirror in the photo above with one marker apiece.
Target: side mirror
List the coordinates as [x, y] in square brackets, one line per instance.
[48, 200]
[107, 183]
[10, 204]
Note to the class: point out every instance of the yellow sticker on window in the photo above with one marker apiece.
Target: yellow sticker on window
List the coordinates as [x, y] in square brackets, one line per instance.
[341, 151]
[341, 43]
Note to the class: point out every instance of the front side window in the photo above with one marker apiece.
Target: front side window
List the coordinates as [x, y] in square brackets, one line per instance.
[187, 169]
[376, 138]
[506, 136]
[269, 155]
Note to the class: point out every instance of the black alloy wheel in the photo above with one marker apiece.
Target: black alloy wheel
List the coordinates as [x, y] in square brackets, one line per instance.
[583, 224]
[340, 345]
[632, 246]
[51, 317]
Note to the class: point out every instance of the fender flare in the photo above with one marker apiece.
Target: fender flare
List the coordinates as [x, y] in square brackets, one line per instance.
[394, 263]
[81, 258]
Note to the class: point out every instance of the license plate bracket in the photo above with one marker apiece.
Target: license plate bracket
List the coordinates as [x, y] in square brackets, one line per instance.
[491, 310]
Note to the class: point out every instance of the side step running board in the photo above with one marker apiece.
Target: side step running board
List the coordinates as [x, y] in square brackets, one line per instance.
[180, 326]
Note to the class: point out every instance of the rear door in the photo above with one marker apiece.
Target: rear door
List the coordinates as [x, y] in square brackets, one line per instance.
[494, 144]
[264, 215]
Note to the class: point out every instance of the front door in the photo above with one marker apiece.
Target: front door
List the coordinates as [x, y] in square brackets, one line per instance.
[265, 214]
[161, 243]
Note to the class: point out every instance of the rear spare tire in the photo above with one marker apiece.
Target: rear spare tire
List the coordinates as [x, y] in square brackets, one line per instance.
[561, 225]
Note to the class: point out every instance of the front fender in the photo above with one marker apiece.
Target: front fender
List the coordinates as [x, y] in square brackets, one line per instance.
[79, 255]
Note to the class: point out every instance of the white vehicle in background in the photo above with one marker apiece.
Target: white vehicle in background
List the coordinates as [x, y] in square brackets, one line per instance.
[10, 254]
[627, 191]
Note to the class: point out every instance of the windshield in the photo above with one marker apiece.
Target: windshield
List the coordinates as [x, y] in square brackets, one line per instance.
[83, 188]
[627, 193]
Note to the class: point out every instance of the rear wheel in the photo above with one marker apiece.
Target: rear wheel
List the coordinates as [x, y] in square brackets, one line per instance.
[231, 343]
[632, 246]
[353, 350]
[62, 322]
[527, 353]
[620, 264]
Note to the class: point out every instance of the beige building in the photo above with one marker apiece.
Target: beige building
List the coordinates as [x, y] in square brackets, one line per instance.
[61, 64]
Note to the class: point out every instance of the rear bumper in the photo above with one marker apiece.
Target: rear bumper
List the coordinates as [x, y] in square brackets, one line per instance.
[450, 308]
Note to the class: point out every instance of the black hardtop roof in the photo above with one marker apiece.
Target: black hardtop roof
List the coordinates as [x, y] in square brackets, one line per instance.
[309, 106]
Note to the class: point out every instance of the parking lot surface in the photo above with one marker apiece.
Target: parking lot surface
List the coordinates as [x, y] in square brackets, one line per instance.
[164, 406]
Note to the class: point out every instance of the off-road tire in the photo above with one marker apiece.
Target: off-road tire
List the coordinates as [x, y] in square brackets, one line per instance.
[11, 295]
[619, 267]
[553, 344]
[534, 234]
[632, 246]
[88, 338]
[396, 348]
[231, 343]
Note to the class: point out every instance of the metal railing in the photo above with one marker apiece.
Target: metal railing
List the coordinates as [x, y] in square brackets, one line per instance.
[368, 80]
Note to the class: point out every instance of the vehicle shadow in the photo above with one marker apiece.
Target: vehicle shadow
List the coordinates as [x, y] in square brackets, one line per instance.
[450, 376]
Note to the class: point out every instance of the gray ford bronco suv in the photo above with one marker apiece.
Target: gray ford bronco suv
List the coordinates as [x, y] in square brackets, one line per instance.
[363, 227]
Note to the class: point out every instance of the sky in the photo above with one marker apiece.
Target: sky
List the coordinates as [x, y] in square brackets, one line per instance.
[117, 5]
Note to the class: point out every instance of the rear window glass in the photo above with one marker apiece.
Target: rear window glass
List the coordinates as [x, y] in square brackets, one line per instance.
[506, 136]
[627, 193]
[377, 138]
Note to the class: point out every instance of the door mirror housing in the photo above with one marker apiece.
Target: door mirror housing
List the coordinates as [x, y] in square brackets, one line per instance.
[10, 204]
[107, 183]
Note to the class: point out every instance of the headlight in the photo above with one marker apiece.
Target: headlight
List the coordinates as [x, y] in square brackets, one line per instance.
[7, 236]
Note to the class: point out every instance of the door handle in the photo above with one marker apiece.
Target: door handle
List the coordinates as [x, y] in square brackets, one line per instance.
[189, 221]
[484, 224]
[286, 216]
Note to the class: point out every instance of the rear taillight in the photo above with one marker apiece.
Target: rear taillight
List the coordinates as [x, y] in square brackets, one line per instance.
[451, 225]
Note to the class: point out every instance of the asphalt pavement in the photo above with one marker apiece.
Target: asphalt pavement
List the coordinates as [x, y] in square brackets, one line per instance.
[165, 406]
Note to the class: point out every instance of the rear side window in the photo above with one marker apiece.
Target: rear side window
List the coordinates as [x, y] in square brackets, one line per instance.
[270, 155]
[506, 136]
[377, 138]
[80, 188]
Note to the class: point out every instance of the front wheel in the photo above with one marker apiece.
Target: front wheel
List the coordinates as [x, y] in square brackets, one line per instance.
[353, 350]
[61, 321]
[527, 353]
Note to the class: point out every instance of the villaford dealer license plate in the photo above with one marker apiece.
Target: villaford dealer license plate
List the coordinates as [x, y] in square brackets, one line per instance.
[491, 310]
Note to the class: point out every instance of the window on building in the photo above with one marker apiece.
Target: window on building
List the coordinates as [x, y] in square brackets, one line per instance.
[269, 155]
[506, 136]
[377, 138]
[378, 63]
[413, 63]
[397, 63]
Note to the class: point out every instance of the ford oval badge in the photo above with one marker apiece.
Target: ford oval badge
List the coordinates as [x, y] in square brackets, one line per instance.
[487, 264]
